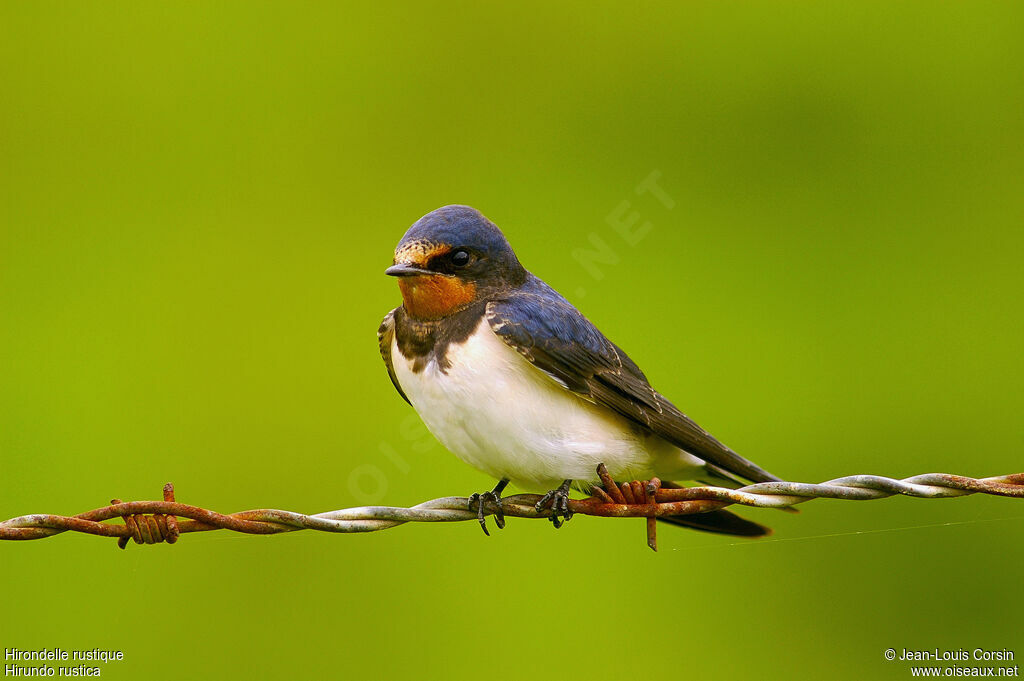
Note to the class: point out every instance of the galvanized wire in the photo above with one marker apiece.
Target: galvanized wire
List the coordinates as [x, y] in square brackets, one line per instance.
[156, 521]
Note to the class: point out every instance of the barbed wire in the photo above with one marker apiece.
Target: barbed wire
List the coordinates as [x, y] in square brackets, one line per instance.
[150, 522]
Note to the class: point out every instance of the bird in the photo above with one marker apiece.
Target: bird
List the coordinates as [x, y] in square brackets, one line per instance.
[511, 378]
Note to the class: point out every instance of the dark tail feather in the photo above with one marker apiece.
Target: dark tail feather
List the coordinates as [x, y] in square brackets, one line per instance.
[719, 522]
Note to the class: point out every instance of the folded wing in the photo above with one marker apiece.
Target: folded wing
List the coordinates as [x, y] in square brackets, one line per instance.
[553, 335]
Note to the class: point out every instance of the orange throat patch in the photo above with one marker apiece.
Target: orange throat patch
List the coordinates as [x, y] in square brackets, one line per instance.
[432, 296]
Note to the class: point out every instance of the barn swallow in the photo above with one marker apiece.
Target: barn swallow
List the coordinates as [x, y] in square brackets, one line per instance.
[516, 382]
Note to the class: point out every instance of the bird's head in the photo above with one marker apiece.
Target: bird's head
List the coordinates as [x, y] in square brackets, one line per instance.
[451, 258]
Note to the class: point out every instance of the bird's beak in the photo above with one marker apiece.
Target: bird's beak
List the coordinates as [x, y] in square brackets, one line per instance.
[405, 270]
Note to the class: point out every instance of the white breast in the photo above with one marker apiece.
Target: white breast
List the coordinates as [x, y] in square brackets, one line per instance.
[500, 414]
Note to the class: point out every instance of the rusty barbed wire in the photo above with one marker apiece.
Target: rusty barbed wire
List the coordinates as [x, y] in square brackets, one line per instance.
[149, 522]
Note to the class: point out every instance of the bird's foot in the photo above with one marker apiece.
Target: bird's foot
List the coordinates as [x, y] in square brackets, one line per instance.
[478, 500]
[558, 501]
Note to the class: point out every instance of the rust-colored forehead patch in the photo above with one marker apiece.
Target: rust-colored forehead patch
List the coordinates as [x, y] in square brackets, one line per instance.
[419, 252]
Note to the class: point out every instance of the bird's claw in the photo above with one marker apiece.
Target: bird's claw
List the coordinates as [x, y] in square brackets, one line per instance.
[477, 503]
[558, 501]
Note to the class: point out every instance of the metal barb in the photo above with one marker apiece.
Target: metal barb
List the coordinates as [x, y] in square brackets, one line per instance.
[650, 490]
[148, 522]
[149, 529]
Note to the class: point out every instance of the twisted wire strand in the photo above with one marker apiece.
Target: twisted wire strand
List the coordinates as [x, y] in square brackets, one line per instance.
[156, 521]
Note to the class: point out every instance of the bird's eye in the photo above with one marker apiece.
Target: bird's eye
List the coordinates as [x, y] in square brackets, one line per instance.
[460, 258]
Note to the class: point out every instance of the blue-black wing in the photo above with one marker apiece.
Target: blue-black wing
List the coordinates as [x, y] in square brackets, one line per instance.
[552, 334]
[385, 336]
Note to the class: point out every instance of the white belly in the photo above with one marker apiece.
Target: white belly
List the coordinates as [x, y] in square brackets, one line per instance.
[505, 417]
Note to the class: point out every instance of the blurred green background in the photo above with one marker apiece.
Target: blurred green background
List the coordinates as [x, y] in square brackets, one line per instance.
[197, 202]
